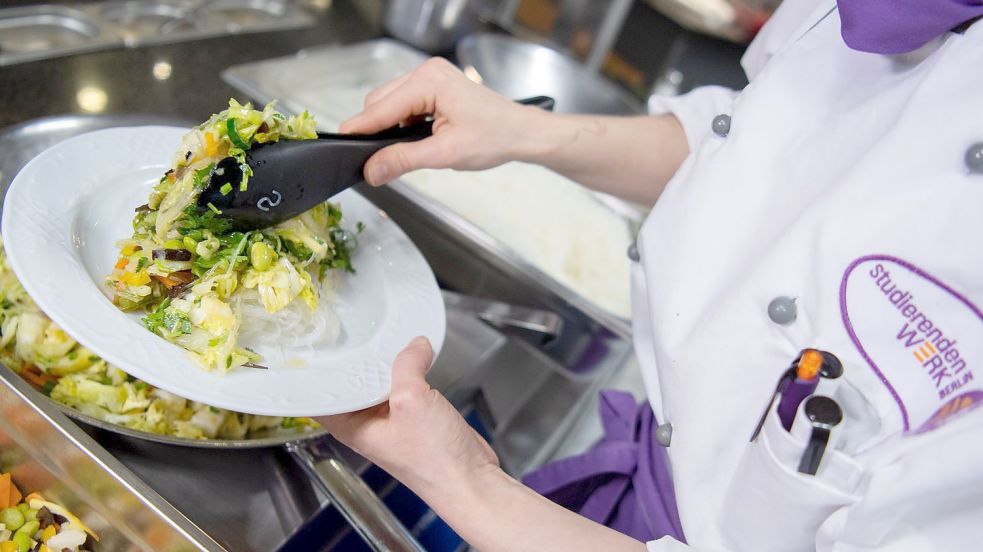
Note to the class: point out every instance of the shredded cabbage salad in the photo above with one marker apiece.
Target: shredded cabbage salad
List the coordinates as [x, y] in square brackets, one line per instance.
[192, 274]
[58, 366]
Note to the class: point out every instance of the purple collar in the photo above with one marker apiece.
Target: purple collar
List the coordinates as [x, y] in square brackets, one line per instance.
[901, 26]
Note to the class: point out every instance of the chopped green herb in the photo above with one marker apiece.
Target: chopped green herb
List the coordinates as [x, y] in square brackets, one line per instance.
[234, 137]
[214, 209]
[298, 250]
[226, 189]
[202, 176]
[195, 220]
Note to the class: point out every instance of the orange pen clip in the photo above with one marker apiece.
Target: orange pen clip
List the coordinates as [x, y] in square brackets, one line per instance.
[809, 365]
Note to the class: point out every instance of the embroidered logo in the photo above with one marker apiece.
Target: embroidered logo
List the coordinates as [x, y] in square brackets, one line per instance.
[922, 338]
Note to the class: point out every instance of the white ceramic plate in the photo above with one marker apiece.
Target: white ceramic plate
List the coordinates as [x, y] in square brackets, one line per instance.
[67, 208]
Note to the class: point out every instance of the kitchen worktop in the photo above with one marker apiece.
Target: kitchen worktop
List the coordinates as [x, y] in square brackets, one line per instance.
[192, 88]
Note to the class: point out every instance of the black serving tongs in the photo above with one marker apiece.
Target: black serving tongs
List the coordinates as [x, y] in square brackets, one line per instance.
[290, 177]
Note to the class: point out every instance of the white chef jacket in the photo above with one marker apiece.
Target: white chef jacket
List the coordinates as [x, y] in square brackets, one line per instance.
[843, 185]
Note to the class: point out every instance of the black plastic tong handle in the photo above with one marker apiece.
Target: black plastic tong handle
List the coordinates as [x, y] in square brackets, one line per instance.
[279, 188]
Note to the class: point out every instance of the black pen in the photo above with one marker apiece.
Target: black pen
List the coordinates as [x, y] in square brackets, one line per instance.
[824, 415]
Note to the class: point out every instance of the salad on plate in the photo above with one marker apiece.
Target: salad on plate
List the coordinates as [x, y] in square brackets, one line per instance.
[203, 285]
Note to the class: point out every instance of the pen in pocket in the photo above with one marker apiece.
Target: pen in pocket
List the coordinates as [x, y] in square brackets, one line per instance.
[801, 385]
[812, 370]
[821, 416]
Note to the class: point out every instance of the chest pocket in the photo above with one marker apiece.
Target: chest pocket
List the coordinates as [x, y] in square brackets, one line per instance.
[769, 505]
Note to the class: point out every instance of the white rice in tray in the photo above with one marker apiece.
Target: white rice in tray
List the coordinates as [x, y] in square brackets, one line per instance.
[549, 220]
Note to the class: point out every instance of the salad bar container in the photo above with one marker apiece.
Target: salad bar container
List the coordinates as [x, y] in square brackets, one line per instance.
[44, 452]
[521, 360]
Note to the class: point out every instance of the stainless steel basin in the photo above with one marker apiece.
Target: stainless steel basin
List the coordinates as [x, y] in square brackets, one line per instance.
[29, 31]
[520, 69]
[136, 19]
[45, 31]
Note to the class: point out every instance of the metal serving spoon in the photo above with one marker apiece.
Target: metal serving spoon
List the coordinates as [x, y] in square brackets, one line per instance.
[292, 176]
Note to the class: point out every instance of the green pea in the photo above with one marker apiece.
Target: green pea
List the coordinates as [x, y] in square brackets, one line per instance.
[261, 256]
[29, 528]
[12, 518]
[30, 514]
[23, 542]
[23, 507]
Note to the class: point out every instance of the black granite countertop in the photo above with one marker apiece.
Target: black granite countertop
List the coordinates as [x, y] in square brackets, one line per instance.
[194, 89]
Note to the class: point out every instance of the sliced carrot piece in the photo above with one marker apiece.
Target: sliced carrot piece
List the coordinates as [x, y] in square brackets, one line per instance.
[15, 495]
[5, 490]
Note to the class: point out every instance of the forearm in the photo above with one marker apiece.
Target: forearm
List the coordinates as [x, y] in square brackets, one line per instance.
[494, 512]
[629, 157]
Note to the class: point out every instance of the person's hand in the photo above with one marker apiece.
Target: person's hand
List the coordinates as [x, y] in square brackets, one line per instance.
[422, 441]
[417, 436]
[474, 127]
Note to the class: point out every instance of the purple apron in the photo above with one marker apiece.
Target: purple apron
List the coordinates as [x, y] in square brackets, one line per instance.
[623, 482]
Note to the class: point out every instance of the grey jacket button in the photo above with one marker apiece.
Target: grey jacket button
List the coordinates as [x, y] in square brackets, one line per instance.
[782, 310]
[633, 252]
[974, 158]
[721, 125]
[663, 434]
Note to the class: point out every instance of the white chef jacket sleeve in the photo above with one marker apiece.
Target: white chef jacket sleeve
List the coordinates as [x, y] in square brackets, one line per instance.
[695, 110]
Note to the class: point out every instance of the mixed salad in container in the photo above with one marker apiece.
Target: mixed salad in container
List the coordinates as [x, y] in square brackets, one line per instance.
[31, 523]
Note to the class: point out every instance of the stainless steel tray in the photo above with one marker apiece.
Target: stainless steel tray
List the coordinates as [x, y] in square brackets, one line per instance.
[331, 82]
[30, 33]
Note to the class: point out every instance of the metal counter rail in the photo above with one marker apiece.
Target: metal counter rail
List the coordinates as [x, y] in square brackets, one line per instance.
[356, 502]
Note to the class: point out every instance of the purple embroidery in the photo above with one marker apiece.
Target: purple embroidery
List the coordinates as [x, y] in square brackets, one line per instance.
[856, 341]
[962, 403]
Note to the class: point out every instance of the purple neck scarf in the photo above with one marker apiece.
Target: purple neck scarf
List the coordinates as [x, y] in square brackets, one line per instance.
[901, 26]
